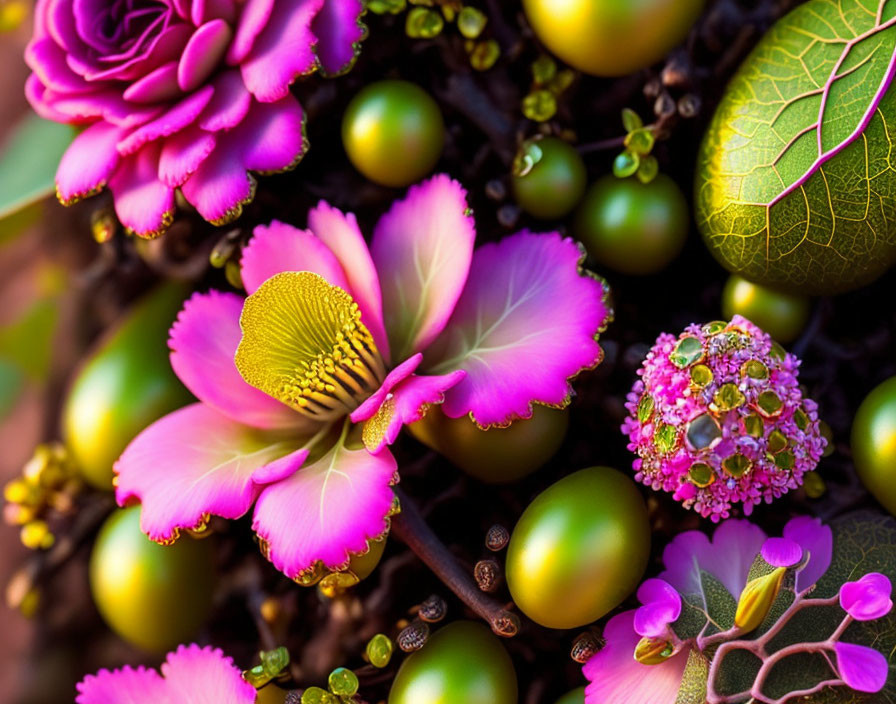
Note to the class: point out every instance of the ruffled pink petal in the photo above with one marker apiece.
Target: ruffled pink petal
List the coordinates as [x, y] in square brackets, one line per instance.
[203, 344]
[410, 401]
[728, 558]
[47, 59]
[193, 463]
[205, 676]
[862, 668]
[157, 86]
[182, 153]
[781, 552]
[326, 510]
[124, 686]
[270, 138]
[253, 19]
[367, 409]
[617, 678]
[340, 232]
[108, 105]
[283, 50]
[89, 162]
[818, 541]
[525, 324]
[661, 608]
[338, 30]
[422, 250]
[228, 105]
[143, 203]
[868, 598]
[36, 94]
[176, 118]
[280, 247]
[202, 53]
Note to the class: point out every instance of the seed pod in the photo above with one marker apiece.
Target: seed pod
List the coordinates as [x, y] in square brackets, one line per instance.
[497, 538]
[488, 575]
[413, 637]
[584, 646]
[433, 609]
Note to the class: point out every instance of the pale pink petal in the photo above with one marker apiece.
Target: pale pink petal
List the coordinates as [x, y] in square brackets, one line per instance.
[143, 203]
[422, 250]
[816, 539]
[124, 686]
[735, 545]
[338, 30]
[340, 232]
[203, 343]
[228, 105]
[157, 86]
[182, 153]
[88, 163]
[617, 678]
[408, 404]
[280, 247]
[203, 53]
[282, 51]
[176, 118]
[205, 676]
[326, 510]
[367, 409]
[193, 463]
[527, 323]
[254, 17]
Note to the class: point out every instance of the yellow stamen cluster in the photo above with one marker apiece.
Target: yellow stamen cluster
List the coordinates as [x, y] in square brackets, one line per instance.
[304, 344]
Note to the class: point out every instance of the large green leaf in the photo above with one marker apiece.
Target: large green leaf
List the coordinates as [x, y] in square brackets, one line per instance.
[28, 161]
[796, 178]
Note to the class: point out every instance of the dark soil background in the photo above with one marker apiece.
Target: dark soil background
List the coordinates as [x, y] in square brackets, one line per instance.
[847, 349]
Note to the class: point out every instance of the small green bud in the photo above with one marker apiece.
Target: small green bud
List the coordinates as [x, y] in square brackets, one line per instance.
[653, 651]
[343, 682]
[483, 55]
[540, 105]
[423, 23]
[386, 7]
[544, 68]
[631, 121]
[648, 169]
[640, 141]
[275, 661]
[316, 695]
[379, 650]
[471, 22]
[626, 164]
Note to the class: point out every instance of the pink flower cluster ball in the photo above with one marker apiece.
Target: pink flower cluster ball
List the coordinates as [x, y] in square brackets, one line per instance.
[718, 418]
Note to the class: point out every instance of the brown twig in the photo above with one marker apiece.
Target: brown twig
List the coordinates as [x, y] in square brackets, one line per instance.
[410, 527]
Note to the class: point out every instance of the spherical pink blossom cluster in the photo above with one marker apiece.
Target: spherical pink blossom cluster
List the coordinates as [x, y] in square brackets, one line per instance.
[718, 418]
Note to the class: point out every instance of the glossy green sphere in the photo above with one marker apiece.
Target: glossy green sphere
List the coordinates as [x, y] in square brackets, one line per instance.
[579, 549]
[874, 443]
[496, 455]
[576, 696]
[781, 315]
[553, 186]
[611, 37]
[125, 384]
[632, 227]
[393, 132]
[461, 663]
[153, 596]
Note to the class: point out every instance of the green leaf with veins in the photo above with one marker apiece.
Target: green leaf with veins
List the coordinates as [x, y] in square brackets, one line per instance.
[796, 182]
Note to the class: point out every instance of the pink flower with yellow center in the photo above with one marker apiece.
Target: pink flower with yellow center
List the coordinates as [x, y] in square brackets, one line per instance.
[188, 95]
[304, 384]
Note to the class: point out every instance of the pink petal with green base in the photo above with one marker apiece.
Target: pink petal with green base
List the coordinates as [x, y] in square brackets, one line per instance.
[327, 510]
[194, 463]
[527, 323]
[279, 247]
[340, 232]
[422, 249]
[203, 343]
[615, 676]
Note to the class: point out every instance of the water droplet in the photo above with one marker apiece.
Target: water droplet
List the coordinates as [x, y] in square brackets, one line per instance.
[688, 351]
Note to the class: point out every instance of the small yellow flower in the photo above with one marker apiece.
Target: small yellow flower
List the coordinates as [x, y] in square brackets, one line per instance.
[757, 598]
